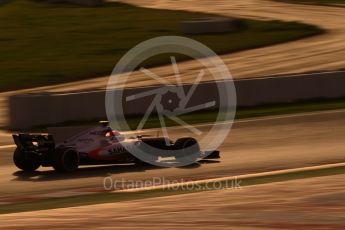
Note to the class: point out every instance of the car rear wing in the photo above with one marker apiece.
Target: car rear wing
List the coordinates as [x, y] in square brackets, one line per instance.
[32, 142]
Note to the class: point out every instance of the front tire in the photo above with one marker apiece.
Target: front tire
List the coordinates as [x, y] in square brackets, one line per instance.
[65, 160]
[187, 146]
[24, 162]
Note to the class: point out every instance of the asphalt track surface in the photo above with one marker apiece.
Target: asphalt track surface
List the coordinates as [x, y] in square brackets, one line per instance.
[254, 145]
[323, 52]
[312, 203]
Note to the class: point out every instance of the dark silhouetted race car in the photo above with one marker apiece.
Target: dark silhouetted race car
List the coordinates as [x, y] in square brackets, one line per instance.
[92, 146]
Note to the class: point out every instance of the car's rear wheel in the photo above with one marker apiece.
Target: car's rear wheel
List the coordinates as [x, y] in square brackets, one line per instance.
[24, 162]
[65, 160]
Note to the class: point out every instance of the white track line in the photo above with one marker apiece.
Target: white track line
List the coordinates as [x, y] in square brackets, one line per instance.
[247, 120]
[277, 117]
[231, 178]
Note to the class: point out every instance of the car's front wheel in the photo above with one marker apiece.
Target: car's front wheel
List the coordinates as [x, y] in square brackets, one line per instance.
[187, 146]
[25, 162]
[65, 160]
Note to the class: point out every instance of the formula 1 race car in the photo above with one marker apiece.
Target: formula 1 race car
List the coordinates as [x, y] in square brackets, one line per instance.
[93, 146]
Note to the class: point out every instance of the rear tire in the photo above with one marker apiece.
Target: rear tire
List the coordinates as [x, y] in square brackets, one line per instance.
[25, 163]
[65, 160]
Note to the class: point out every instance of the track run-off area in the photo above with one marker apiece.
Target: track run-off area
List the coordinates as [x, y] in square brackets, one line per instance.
[253, 146]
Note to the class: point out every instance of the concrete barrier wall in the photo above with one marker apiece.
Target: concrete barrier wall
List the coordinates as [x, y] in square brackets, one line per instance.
[290, 88]
[29, 110]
